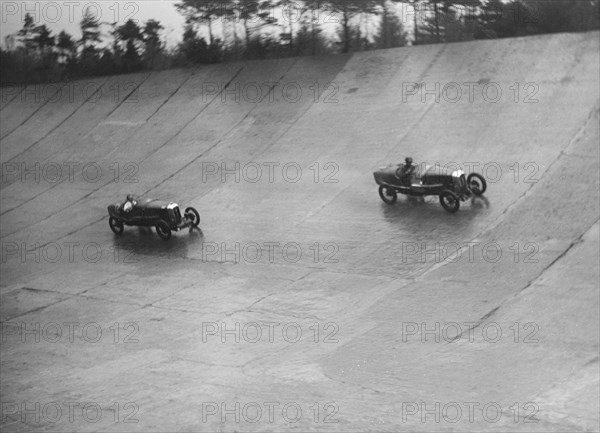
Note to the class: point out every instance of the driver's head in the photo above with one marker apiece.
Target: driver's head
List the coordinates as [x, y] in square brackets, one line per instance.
[408, 161]
[129, 197]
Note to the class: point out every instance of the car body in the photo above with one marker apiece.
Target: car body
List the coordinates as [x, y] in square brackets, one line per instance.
[452, 186]
[164, 216]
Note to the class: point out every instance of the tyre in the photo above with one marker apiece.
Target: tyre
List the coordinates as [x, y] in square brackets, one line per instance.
[193, 215]
[163, 230]
[388, 195]
[115, 225]
[477, 184]
[449, 201]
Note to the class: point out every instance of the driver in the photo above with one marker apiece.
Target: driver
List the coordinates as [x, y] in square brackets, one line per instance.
[129, 204]
[407, 171]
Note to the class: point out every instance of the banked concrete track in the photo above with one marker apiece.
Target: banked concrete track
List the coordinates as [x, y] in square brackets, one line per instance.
[369, 291]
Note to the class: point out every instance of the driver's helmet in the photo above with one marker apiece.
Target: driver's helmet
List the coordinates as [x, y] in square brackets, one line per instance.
[130, 198]
[408, 161]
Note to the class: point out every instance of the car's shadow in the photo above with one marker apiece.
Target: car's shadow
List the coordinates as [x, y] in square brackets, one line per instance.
[427, 210]
[479, 203]
[145, 241]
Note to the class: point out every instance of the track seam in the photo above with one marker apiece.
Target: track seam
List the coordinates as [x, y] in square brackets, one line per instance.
[13, 98]
[531, 282]
[123, 101]
[109, 182]
[223, 137]
[173, 93]
[87, 133]
[56, 127]
[31, 115]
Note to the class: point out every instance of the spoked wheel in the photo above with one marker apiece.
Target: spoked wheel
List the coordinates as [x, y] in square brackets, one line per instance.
[163, 230]
[193, 215]
[477, 184]
[449, 201]
[388, 195]
[116, 225]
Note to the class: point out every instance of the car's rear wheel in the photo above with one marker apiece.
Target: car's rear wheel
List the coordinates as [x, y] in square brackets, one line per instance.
[477, 184]
[116, 225]
[163, 230]
[449, 201]
[193, 215]
[388, 195]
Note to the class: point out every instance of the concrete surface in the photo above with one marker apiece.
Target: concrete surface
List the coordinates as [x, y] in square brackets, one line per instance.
[402, 318]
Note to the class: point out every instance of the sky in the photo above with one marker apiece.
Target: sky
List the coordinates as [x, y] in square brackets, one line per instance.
[66, 15]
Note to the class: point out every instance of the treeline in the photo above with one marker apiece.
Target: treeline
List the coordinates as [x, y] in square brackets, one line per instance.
[217, 31]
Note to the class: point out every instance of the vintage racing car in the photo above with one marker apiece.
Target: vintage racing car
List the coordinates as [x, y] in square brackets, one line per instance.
[452, 186]
[164, 216]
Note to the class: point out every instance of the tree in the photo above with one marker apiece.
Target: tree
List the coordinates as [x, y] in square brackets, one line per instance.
[290, 14]
[90, 30]
[586, 15]
[447, 21]
[27, 33]
[90, 36]
[391, 32]
[415, 5]
[348, 9]
[193, 48]
[310, 39]
[201, 11]
[384, 33]
[129, 31]
[130, 34]
[45, 42]
[502, 20]
[313, 7]
[555, 16]
[230, 16]
[66, 46]
[251, 12]
[44, 39]
[107, 63]
[152, 44]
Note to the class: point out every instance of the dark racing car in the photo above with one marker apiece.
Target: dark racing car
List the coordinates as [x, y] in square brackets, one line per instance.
[452, 186]
[164, 216]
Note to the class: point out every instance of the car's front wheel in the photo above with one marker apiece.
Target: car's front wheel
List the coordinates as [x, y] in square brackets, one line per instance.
[193, 215]
[477, 184]
[449, 201]
[163, 230]
[116, 225]
[388, 195]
